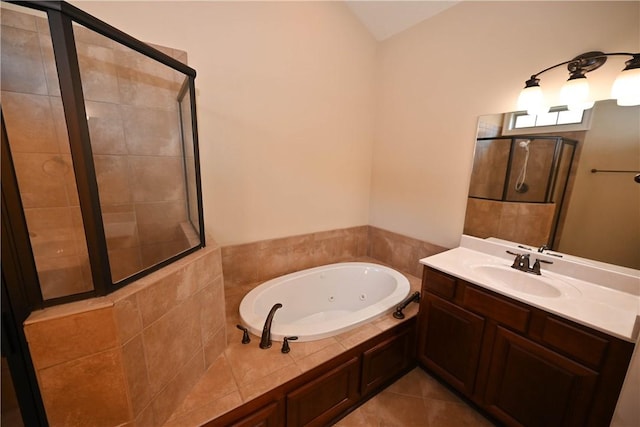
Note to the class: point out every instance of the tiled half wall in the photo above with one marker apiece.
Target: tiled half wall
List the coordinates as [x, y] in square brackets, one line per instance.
[130, 358]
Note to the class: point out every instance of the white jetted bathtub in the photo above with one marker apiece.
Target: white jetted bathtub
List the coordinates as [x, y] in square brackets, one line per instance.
[324, 301]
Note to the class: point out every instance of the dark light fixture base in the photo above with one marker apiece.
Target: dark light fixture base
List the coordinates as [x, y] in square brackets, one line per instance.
[587, 62]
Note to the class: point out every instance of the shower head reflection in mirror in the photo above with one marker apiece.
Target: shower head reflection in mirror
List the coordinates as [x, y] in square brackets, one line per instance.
[521, 186]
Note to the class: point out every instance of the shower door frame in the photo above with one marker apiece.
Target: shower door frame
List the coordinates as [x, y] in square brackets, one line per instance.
[61, 17]
[560, 141]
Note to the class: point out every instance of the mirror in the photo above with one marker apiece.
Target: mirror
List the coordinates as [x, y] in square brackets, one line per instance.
[594, 215]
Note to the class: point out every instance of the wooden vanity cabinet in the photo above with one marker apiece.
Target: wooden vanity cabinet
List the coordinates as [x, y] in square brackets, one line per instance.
[522, 365]
[449, 342]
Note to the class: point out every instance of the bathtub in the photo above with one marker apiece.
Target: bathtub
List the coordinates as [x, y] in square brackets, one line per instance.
[324, 301]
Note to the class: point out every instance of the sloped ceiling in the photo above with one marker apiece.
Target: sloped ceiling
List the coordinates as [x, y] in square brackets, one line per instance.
[388, 17]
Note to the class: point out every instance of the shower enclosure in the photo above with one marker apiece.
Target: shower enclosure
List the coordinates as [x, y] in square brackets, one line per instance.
[518, 187]
[100, 144]
[100, 172]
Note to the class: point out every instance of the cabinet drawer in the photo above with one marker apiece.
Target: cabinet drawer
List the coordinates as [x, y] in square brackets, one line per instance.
[439, 283]
[504, 312]
[576, 343]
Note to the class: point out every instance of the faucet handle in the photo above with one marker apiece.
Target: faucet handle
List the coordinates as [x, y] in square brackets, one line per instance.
[536, 265]
[245, 336]
[521, 261]
[285, 344]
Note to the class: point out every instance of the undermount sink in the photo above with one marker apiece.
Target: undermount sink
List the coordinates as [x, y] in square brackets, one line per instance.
[527, 283]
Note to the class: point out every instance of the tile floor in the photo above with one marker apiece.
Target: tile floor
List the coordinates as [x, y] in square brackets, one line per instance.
[415, 400]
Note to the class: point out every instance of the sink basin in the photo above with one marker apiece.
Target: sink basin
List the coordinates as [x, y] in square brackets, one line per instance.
[527, 283]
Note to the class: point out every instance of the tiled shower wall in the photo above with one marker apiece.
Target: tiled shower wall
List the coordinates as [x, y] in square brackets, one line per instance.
[514, 221]
[32, 110]
[134, 127]
[131, 358]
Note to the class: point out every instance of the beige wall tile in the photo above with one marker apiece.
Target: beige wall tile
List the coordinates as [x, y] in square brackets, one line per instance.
[178, 387]
[98, 71]
[171, 342]
[160, 221]
[29, 120]
[67, 338]
[250, 363]
[127, 317]
[154, 253]
[106, 128]
[254, 389]
[22, 69]
[146, 418]
[136, 376]
[152, 131]
[274, 262]
[113, 179]
[125, 262]
[42, 179]
[62, 276]
[156, 179]
[15, 19]
[212, 308]
[314, 359]
[216, 383]
[86, 391]
[168, 292]
[146, 82]
[214, 346]
[206, 413]
[240, 264]
[51, 231]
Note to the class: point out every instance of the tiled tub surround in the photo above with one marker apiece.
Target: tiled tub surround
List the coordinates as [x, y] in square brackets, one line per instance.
[255, 262]
[130, 358]
[134, 129]
[244, 372]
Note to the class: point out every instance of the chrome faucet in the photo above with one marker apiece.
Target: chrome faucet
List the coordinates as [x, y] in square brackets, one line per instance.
[265, 341]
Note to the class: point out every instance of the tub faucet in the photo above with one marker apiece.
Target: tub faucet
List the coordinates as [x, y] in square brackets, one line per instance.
[265, 341]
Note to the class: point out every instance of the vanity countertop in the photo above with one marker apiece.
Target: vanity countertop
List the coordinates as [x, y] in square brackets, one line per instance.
[608, 301]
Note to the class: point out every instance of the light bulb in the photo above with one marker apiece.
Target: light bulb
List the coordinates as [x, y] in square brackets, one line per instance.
[626, 88]
[575, 92]
[531, 99]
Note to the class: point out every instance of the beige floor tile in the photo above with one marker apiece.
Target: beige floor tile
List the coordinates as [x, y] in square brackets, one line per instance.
[415, 400]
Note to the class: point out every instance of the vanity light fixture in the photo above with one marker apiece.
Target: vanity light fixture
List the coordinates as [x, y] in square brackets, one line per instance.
[575, 92]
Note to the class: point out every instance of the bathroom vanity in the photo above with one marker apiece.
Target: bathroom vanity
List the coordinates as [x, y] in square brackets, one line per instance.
[549, 350]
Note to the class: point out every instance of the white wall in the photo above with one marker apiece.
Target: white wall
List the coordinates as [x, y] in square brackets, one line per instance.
[285, 109]
[607, 204]
[436, 78]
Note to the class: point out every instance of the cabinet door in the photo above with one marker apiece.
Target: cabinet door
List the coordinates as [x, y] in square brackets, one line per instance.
[387, 361]
[321, 400]
[450, 339]
[531, 385]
